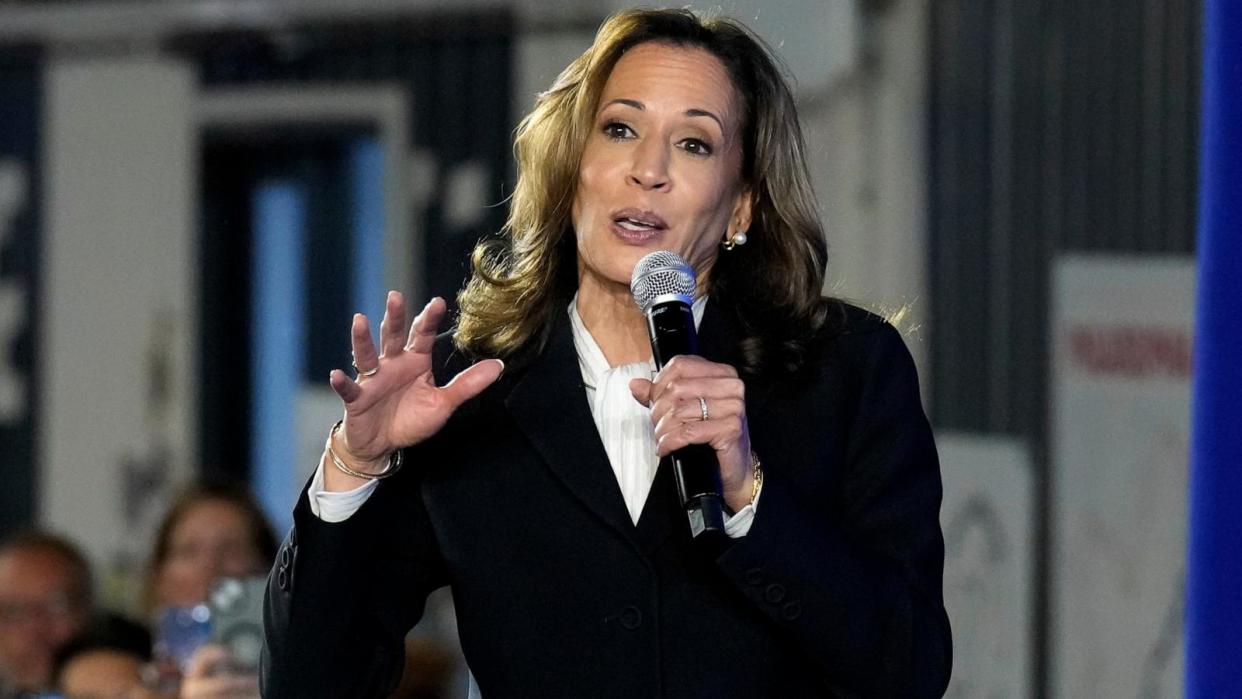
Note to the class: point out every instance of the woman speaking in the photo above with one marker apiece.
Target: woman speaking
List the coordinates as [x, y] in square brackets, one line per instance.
[520, 458]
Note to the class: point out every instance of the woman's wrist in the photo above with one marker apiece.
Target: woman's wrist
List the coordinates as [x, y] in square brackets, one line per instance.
[743, 493]
[335, 478]
[738, 497]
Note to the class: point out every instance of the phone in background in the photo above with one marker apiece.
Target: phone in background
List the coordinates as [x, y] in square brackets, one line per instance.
[232, 617]
[236, 611]
[180, 632]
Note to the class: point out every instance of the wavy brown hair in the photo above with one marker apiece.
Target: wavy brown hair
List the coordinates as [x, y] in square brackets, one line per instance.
[773, 285]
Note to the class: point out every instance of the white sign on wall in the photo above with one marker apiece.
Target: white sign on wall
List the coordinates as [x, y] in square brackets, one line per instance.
[988, 525]
[1121, 362]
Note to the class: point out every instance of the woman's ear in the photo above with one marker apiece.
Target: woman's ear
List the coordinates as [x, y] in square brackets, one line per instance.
[740, 219]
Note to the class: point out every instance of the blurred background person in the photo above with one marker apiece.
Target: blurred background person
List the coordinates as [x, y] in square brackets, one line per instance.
[213, 530]
[105, 664]
[45, 600]
[216, 530]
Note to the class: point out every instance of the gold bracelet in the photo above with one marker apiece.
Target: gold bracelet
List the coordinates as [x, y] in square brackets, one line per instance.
[756, 475]
[394, 460]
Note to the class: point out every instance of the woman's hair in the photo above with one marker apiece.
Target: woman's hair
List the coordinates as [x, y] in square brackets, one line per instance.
[259, 532]
[773, 284]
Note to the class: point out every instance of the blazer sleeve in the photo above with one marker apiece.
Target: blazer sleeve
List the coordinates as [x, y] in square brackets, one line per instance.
[854, 577]
[342, 596]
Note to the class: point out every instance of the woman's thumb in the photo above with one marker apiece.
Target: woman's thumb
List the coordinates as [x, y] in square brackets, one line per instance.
[471, 381]
[641, 388]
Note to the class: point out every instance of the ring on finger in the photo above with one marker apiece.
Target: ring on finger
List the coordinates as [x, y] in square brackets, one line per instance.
[702, 408]
[364, 374]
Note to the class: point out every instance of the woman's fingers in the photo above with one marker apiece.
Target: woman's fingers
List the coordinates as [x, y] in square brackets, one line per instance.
[717, 433]
[684, 392]
[692, 411]
[425, 326]
[365, 356]
[471, 382]
[392, 341]
[392, 329]
[345, 387]
[689, 365]
[683, 369]
[688, 419]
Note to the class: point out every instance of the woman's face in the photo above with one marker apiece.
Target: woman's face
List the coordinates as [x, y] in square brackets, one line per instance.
[662, 166]
[211, 541]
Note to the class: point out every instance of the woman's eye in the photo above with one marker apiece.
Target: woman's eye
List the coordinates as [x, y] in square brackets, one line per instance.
[617, 131]
[695, 146]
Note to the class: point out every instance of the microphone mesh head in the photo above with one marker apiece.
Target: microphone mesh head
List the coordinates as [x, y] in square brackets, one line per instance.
[660, 274]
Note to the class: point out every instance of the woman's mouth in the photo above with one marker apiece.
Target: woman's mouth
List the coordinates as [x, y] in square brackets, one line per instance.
[637, 227]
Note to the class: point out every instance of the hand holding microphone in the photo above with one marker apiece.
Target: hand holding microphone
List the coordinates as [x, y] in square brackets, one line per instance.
[698, 406]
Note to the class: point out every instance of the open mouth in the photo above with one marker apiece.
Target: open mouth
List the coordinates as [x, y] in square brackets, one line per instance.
[638, 222]
[630, 224]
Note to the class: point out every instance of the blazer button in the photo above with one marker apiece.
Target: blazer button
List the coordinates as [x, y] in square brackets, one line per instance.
[791, 611]
[282, 579]
[754, 576]
[285, 557]
[775, 594]
[631, 618]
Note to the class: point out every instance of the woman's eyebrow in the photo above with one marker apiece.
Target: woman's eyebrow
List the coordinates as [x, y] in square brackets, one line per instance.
[705, 113]
[692, 112]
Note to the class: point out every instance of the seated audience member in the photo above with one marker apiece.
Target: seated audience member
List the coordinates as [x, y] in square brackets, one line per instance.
[212, 531]
[216, 530]
[106, 662]
[45, 600]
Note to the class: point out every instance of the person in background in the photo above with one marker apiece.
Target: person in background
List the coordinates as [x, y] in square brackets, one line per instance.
[106, 662]
[212, 531]
[45, 600]
[216, 530]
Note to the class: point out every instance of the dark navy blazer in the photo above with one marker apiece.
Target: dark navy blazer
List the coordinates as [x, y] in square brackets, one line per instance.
[835, 591]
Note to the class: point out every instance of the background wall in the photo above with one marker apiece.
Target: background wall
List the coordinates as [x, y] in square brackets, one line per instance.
[118, 321]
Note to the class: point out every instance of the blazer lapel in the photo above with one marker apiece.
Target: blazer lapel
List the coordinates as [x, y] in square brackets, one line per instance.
[549, 405]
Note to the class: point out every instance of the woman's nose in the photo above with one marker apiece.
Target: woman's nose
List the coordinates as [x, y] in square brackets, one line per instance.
[649, 169]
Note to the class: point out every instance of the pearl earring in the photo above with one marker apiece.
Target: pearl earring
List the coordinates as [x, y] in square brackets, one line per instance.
[737, 239]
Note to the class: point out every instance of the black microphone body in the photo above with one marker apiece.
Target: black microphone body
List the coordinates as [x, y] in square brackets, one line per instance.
[670, 324]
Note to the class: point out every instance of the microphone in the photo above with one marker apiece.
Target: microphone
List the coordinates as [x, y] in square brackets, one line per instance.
[663, 287]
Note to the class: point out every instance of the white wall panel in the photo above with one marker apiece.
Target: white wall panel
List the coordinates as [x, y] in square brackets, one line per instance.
[119, 314]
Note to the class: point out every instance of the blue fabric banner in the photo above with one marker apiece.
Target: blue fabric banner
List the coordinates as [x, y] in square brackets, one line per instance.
[1214, 565]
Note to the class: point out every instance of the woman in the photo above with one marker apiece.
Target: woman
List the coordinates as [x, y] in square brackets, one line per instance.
[539, 495]
[212, 531]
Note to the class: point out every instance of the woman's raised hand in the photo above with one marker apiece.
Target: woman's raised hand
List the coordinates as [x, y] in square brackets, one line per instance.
[395, 402]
